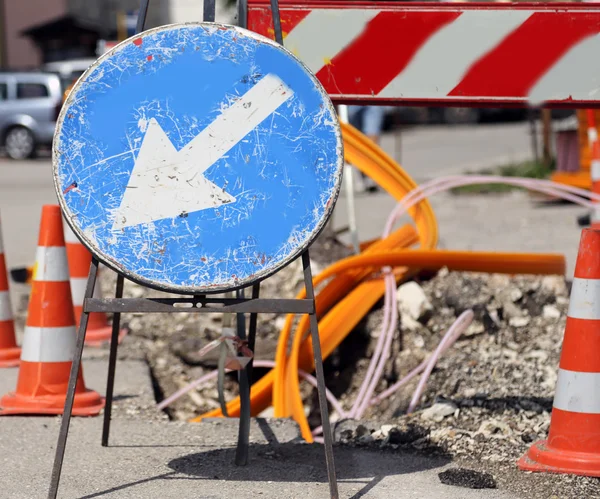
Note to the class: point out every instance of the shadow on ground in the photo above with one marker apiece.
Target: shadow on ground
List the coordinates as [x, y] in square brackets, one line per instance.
[291, 462]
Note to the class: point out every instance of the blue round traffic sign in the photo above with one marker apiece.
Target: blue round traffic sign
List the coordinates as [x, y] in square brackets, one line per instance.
[197, 157]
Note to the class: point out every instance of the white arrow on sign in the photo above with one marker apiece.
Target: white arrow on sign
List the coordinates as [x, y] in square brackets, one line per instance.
[167, 183]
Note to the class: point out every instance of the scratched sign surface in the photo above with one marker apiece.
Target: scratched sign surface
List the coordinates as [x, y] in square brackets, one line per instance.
[197, 157]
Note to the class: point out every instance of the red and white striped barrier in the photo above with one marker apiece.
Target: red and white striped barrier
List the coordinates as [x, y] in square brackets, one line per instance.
[448, 53]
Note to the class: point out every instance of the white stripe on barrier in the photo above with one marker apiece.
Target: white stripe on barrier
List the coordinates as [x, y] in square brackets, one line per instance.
[595, 170]
[5, 307]
[569, 78]
[315, 51]
[592, 135]
[70, 236]
[441, 63]
[51, 264]
[577, 392]
[48, 344]
[585, 299]
[78, 285]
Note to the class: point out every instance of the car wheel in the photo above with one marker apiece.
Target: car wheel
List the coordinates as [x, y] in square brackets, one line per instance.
[19, 143]
[461, 115]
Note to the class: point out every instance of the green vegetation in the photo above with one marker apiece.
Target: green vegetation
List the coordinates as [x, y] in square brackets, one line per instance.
[528, 169]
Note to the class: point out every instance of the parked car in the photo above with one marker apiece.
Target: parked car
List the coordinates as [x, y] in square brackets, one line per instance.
[68, 71]
[29, 107]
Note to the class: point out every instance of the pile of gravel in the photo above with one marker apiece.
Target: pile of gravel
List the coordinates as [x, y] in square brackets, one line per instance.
[490, 395]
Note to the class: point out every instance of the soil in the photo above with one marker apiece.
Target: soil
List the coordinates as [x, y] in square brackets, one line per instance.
[490, 396]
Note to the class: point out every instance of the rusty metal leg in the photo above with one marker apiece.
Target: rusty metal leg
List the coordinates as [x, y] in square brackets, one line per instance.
[209, 11]
[242, 8]
[75, 367]
[241, 453]
[241, 458]
[252, 332]
[112, 364]
[142, 13]
[316, 344]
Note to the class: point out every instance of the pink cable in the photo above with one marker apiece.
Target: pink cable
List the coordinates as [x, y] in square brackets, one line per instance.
[452, 334]
[438, 185]
[431, 187]
[447, 342]
[258, 363]
[413, 197]
[383, 346]
[391, 289]
[459, 326]
[375, 357]
[182, 391]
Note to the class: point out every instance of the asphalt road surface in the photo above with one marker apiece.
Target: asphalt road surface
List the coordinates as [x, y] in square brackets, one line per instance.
[425, 152]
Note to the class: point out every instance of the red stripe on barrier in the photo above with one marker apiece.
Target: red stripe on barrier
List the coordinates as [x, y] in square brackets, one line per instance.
[526, 54]
[262, 23]
[365, 66]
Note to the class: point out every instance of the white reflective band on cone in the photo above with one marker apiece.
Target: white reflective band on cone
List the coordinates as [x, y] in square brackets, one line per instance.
[585, 299]
[595, 170]
[577, 392]
[48, 344]
[78, 289]
[51, 264]
[592, 135]
[5, 308]
[70, 236]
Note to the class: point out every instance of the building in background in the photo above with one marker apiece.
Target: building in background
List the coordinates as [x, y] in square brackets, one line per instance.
[34, 32]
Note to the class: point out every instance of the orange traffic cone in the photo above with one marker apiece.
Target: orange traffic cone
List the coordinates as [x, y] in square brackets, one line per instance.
[49, 341]
[98, 330]
[9, 352]
[573, 444]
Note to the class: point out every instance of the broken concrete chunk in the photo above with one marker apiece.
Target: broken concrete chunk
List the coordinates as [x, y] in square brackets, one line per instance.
[554, 284]
[519, 321]
[413, 303]
[438, 411]
[550, 312]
